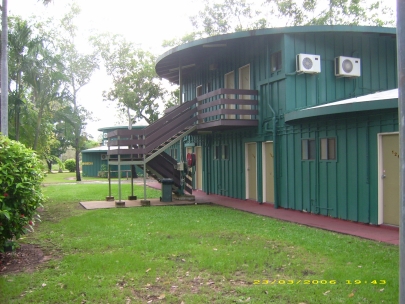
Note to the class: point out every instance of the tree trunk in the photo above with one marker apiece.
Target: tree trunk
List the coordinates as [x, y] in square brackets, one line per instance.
[77, 128]
[4, 72]
[38, 127]
[77, 150]
[49, 163]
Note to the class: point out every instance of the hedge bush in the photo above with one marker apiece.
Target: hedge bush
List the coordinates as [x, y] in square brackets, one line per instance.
[21, 174]
[70, 164]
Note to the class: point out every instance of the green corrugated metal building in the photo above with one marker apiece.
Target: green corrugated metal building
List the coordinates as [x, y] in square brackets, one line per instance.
[95, 160]
[325, 133]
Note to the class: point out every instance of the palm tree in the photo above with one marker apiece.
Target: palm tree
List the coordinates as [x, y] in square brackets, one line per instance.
[23, 53]
[4, 68]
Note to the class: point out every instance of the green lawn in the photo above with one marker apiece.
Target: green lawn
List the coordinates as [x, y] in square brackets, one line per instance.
[194, 254]
[70, 177]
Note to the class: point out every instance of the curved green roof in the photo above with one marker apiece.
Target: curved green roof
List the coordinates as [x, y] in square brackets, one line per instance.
[188, 55]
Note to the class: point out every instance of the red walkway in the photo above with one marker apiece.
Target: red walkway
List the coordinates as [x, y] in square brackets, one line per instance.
[382, 233]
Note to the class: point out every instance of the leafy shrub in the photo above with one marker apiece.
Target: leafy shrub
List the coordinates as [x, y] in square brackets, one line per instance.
[70, 164]
[21, 174]
[103, 171]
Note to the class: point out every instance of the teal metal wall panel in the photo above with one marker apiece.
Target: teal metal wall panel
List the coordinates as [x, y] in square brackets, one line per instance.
[306, 185]
[345, 188]
[174, 151]
[382, 64]
[322, 201]
[363, 210]
[375, 73]
[225, 176]
[391, 62]
[298, 174]
[92, 165]
[342, 155]
[331, 200]
[352, 173]
[280, 101]
[310, 45]
[378, 69]
[366, 65]
[328, 69]
[283, 174]
[288, 171]
[321, 84]
[373, 171]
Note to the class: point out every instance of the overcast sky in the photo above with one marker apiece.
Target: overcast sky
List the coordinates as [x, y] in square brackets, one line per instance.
[147, 23]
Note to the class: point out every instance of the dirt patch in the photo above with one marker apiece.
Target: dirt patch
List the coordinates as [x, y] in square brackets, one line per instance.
[26, 258]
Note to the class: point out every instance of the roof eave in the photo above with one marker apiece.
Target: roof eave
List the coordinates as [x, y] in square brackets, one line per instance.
[342, 108]
[177, 53]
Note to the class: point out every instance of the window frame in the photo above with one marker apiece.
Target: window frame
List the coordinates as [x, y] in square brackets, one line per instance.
[276, 62]
[306, 147]
[324, 143]
[225, 152]
[217, 152]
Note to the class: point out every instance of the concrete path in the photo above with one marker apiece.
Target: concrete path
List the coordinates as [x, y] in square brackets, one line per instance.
[380, 233]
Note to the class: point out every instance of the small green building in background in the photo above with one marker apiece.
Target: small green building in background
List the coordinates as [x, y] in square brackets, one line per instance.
[95, 160]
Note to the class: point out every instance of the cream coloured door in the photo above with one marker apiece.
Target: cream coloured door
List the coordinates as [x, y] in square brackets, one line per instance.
[390, 178]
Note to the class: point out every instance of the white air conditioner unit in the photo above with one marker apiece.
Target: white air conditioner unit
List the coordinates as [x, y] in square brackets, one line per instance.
[104, 157]
[347, 66]
[306, 63]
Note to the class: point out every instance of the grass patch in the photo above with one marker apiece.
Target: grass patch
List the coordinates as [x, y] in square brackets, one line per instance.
[63, 199]
[194, 254]
[56, 177]
[70, 177]
[58, 194]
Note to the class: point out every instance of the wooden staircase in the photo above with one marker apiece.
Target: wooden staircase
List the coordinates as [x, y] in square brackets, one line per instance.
[139, 146]
[163, 166]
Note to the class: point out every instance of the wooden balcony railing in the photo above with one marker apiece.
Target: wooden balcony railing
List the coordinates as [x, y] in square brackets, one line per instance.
[224, 108]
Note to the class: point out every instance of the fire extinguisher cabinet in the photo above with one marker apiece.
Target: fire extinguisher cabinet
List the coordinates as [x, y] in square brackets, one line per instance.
[166, 190]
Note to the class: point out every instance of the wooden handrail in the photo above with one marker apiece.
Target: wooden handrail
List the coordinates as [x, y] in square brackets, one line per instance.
[141, 141]
[223, 91]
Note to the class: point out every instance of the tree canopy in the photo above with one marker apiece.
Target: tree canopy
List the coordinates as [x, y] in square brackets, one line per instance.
[46, 72]
[135, 84]
[227, 16]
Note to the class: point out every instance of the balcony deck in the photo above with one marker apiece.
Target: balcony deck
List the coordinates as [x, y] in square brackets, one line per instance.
[227, 108]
